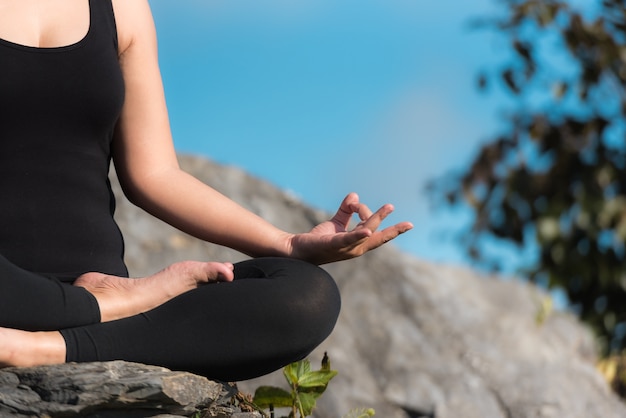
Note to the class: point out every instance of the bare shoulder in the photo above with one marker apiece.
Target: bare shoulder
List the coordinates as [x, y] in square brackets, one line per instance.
[134, 22]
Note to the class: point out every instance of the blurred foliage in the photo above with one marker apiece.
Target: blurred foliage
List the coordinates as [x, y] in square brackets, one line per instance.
[360, 413]
[555, 179]
[613, 368]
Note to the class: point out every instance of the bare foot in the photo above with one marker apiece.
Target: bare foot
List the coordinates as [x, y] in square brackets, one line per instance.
[120, 297]
[25, 349]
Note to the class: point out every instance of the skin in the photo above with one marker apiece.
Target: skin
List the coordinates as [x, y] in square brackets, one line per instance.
[146, 164]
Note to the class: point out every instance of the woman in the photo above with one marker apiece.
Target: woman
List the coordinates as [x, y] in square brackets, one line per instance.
[79, 86]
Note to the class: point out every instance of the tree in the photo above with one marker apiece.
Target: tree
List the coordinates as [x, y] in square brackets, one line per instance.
[555, 179]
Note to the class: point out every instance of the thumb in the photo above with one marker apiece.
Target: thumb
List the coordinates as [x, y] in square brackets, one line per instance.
[348, 206]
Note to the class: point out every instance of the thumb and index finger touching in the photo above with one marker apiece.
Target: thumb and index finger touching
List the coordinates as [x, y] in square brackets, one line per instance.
[369, 221]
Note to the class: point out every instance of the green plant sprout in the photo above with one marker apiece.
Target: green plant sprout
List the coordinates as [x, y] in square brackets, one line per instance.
[360, 413]
[306, 387]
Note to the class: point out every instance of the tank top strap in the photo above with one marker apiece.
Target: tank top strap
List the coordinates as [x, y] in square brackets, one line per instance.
[103, 24]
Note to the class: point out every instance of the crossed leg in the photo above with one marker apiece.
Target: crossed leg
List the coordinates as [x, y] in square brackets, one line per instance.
[276, 311]
[116, 298]
[120, 297]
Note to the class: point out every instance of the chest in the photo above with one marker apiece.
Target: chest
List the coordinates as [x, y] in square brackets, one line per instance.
[44, 23]
[74, 90]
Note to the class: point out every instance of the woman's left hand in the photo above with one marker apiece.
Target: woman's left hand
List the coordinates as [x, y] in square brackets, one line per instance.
[332, 241]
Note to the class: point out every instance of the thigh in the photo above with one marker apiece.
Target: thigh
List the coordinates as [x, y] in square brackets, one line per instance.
[276, 311]
[34, 302]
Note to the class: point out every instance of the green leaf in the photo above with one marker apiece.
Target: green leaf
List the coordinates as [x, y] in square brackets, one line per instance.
[316, 379]
[266, 396]
[294, 371]
[306, 403]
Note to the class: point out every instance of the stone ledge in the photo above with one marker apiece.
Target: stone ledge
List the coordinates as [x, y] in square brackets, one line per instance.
[114, 389]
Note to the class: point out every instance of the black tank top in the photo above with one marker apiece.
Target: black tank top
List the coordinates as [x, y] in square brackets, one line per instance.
[58, 109]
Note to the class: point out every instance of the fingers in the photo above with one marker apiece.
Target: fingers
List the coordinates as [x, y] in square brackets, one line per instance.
[388, 234]
[373, 239]
[349, 205]
[220, 272]
[373, 221]
[365, 236]
[359, 241]
[364, 212]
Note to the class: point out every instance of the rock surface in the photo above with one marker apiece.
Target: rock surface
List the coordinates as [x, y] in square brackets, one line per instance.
[414, 339]
[112, 389]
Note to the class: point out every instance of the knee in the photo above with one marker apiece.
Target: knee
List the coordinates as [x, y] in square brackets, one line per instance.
[307, 286]
[302, 301]
[317, 305]
[324, 294]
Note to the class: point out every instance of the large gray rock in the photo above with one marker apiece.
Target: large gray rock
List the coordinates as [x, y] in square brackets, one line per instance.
[112, 389]
[414, 339]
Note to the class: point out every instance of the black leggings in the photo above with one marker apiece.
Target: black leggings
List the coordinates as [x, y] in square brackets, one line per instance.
[276, 311]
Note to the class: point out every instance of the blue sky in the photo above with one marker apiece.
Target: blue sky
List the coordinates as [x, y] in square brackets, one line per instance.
[323, 97]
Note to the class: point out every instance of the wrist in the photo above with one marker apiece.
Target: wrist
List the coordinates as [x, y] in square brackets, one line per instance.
[280, 244]
[286, 245]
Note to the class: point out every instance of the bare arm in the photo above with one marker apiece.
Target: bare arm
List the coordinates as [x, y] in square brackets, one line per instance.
[145, 157]
[146, 163]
